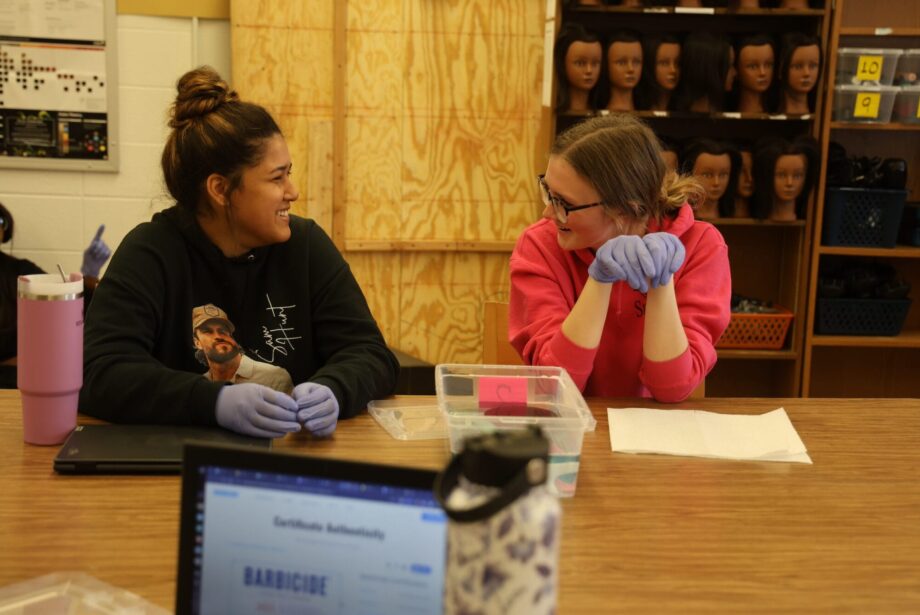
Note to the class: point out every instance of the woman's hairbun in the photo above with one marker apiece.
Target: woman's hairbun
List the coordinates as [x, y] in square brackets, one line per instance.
[200, 92]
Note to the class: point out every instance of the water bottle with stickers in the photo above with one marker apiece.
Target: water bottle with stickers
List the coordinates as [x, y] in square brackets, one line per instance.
[503, 526]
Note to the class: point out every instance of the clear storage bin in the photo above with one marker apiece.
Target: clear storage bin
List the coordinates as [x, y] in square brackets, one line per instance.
[862, 66]
[855, 103]
[479, 399]
[906, 108]
[908, 71]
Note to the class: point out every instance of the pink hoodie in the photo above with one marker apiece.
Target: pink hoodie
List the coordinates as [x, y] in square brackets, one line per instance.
[546, 281]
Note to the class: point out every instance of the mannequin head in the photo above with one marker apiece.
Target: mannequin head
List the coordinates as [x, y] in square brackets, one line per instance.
[706, 72]
[785, 172]
[754, 60]
[578, 58]
[798, 72]
[624, 69]
[660, 71]
[669, 155]
[745, 182]
[715, 164]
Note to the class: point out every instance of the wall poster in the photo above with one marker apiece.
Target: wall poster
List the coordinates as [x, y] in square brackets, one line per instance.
[58, 85]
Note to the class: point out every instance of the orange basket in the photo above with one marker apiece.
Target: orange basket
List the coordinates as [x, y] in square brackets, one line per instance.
[757, 331]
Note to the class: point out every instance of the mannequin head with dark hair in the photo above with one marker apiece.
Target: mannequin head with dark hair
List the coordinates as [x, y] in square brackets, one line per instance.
[798, 72]
[745, 188]
[624, 69]
[754, 60]
[784, 174]
[578, 59]
[706, 72]
[660, 71]
[669, 153]
[715, 164]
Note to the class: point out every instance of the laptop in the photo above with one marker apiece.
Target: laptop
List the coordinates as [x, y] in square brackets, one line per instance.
[137, 449]
[265, 532]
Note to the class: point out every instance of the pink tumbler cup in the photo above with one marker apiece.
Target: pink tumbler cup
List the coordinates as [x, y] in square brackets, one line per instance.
[50, 355]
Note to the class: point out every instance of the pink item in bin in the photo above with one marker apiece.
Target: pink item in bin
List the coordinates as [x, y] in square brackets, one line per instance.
[50, 355]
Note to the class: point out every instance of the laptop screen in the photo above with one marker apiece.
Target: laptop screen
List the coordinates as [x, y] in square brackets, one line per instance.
[321, 536]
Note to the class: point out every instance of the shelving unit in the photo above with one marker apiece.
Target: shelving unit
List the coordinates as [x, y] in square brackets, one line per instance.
[867, 366]
[769, 260]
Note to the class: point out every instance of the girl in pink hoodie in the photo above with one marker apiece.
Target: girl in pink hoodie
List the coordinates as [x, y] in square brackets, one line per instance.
[618, 283]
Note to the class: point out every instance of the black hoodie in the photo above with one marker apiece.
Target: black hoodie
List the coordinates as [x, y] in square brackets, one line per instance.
[295, 305]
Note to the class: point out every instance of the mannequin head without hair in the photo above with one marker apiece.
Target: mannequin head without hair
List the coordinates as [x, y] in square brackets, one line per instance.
[716, 165]
[578, 60]
[784, 174]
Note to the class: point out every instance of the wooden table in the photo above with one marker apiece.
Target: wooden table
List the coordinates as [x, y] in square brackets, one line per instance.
[643, 533]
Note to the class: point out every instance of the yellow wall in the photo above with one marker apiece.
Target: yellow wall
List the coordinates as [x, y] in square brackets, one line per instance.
[419, 158]
[210, 9]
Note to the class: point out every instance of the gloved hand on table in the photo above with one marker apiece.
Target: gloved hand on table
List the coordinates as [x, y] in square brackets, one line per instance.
[318, 409]
[95, 255]
[256, 410]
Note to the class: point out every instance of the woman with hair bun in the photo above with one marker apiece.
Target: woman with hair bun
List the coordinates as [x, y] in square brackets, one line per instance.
[618, 283]
[228, 275]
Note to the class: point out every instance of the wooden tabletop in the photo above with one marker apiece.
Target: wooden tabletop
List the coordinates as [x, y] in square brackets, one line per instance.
[643, 532]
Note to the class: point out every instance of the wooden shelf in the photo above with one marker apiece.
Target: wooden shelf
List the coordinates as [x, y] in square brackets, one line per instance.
[703, 11]
[907, 339]
[738, 353]
[869, 31]
[896, 252]
[889, 126]
[754, 222]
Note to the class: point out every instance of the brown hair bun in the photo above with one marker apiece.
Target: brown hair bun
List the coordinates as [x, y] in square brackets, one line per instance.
[200, 91]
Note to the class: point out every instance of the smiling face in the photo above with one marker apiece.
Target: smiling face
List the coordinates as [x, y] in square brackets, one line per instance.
[713, 171]
[789, 176]
[803, 69]
[667, 65]
[259, 206]
[583, 64]
[755, 67]
[587, 228]
[624, 64]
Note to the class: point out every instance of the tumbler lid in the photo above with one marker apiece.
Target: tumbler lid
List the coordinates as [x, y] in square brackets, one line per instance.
[50, 287]
[494, 459]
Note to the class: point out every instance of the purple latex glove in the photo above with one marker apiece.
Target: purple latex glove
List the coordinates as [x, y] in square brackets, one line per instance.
[95, 255]
[256, 410]
[318, 409]
[668, 252]
[623, 258]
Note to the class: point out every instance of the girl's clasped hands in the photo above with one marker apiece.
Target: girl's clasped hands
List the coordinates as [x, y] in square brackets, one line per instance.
[640, 261]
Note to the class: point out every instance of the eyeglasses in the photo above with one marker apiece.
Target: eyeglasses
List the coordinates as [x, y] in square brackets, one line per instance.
[561, 207]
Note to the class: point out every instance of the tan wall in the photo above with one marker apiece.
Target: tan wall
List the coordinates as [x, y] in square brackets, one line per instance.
[419, 158]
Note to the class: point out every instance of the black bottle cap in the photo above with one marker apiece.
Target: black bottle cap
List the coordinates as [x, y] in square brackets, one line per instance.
[494, 459]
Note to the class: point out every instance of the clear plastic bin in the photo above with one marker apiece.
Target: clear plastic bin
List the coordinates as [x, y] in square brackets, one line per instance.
[409, 419]
[908, 71]
[479, 399]
[862, 66]
[907, 105]
[74, 593]
[858, 103]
